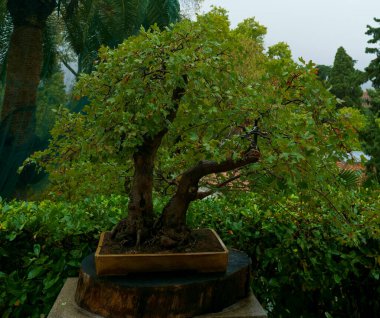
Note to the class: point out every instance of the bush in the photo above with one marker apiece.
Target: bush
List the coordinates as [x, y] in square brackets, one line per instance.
[42, 244]
[314, 263]
[319, 263]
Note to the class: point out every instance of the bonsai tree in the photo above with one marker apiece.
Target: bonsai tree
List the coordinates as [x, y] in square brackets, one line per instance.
[196, 103]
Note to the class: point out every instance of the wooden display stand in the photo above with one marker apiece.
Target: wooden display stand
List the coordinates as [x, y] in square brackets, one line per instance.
[163, 295]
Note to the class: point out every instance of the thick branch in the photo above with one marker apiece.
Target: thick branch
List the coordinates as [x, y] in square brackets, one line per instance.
[174, 214]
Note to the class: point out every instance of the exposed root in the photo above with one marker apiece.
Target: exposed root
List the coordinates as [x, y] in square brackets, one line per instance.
[159, 238]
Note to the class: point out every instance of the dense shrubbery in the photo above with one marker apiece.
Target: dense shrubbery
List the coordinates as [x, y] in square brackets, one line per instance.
[42, 244]
[318, 263]
[306, 263]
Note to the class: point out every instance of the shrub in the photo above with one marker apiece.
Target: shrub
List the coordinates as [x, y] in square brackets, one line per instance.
[314, 263]
[42, 244]
[306, 263]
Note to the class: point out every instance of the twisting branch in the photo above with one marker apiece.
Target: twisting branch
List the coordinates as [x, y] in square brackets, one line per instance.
[174, 214]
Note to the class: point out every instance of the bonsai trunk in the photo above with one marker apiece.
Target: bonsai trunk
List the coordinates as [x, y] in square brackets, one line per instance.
[140, 208]
[139, 223]
[170, 229]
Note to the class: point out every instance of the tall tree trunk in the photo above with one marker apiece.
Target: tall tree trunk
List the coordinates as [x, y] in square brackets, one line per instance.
[23, 75]
[25, 56]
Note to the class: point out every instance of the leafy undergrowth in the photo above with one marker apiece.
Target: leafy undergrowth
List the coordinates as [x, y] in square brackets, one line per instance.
[43, 243]
[314, 263]
[305, 263]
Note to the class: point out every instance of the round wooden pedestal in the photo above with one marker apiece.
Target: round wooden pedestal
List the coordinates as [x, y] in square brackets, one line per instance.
[163, 295]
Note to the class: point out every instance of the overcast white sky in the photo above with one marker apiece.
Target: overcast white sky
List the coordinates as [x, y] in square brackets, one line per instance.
[314, 29]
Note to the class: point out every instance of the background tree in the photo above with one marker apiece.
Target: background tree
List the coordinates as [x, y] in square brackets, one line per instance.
[29, 53]
[370, 137]
[373, 69]
[98, 22]
[174, 107]
[345, 80]
[23, 68]
[324, 72]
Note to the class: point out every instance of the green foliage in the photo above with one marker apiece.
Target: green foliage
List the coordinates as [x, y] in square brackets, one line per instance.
[345, 80]
[131, 98]
[373, 69]
[370, 138]
[354, 118]
[300, 254]
[374, 101]
[306, 262]
[252, 29]
[281, 51]
[94, 23]
[43, 243]
[50, 95]
[324, 72]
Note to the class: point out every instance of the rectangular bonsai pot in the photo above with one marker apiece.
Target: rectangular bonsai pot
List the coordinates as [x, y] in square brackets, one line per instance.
[122, 264]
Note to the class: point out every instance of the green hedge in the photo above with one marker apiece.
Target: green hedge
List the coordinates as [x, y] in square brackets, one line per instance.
[43, 243]
[305, 264]
[317, 263]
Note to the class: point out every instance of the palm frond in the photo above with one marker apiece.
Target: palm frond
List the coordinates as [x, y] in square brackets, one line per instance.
[121, 19]
[3, 10]
[50, 43]
[162, 12]
[350, 177]
[92, 23]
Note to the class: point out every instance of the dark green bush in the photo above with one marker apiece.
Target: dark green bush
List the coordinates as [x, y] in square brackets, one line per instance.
[43, 243]
[318, 263]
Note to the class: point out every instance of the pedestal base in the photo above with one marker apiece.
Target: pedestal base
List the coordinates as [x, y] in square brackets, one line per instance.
[163, 295]
[65, 306]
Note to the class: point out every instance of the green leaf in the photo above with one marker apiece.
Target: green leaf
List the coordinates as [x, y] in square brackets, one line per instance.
[49, 281]
[337, 278]
[35, 272]
[37, 249]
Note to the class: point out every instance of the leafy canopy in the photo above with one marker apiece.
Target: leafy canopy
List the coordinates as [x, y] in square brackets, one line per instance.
[229, 83]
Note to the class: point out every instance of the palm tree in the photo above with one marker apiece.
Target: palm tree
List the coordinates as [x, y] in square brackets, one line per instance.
[88, 25]
[23, 67]
[109, 22]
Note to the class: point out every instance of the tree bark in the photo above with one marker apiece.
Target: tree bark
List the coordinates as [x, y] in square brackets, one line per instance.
[23, 75]
[140, 208]
[174, 213]
[139, 222]
[24, 62]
